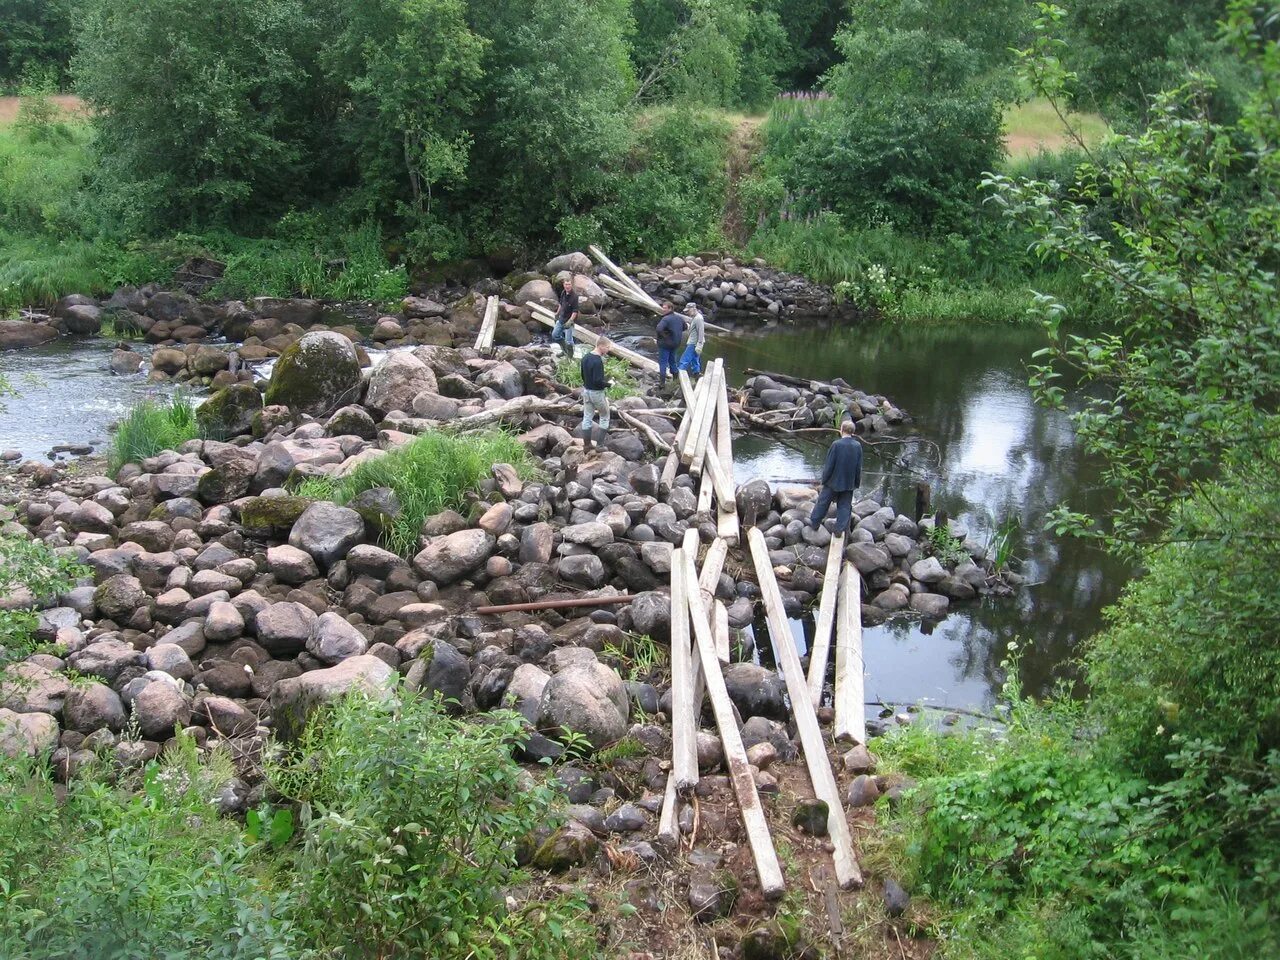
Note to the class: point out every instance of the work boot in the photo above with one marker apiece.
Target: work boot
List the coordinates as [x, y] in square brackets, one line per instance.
[586, 439]
[599, 435]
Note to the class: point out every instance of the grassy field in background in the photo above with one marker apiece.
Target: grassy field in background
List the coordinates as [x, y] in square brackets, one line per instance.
[1033, 127]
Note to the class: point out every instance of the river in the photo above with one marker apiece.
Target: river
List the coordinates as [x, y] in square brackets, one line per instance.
[986, 449]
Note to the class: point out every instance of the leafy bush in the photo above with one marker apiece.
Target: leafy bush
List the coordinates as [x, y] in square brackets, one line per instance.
[429, 474]
[151, 427]
[412, 822]
[31, 566]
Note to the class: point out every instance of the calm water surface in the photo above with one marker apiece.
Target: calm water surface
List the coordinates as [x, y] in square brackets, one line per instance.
[988, 453]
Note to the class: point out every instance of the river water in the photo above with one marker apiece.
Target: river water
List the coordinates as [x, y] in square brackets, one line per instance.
[987, 451]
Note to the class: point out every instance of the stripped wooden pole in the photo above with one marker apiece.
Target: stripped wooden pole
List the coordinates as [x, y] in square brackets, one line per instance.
[735, 755]
[545, 316]
[851, 711]
[696, 417]
[684, 750]
[484, 340]
[826, 619]
[815, 750]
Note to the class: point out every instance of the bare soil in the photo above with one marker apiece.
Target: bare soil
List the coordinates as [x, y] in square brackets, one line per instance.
[69, 103]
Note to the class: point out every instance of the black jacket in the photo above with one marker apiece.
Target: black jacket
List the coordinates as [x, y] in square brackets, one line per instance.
[568, 304]
[593, 372]
[843, 469]
[670, 330]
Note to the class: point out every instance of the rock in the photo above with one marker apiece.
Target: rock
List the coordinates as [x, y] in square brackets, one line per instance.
[351, 421]
[573, 262]
[419, 307]
[572, 845]
[447, 559]
[316, 374]
[588, 699]
[82, 319]
[159, 708]
[229, 412]
[444, 672]
[431, 406]
[27, 687]
[18, 334]
[171, 659]
[711, 895]
[759, 730]
[810, 816]
[227, 717]
[293, 699]
[284, 628]
[225, 482]
[593, 534]
[124, 363]
[896, 900]
[496, 519]
[584, 570]
[650, 615]
[291, 565]
[931, 606]
[223, 622]
[272, 515]
[754, 500]
[26, 734]
[105, 659]
[762, 755]
[628, 818]
[860, 760]
[756, 691]
[535, 291]
[396, 382]
[863, 791]
[928, 571]
[868, 558]
[93, 706]
[536, 543]
[118, 597]
[332, 639]
[327, 531]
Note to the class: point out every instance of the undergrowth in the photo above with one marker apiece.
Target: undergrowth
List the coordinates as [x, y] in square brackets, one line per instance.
[616, 370]
[429, 474]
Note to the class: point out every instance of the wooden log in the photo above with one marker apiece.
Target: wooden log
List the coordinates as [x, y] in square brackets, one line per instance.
[826, 619]
[704, 493]
[754, 824]
[545, 316]
[851, 711]
[723, 433]
[806, 720]
[695, 403]
[519, 407]
[484, 340]
[555, 604]
[668, 825]
[714, 465]
[727, 525]
[684, 751]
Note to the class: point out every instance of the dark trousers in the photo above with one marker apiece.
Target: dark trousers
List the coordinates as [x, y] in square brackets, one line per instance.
[844, 508]
[666, 362]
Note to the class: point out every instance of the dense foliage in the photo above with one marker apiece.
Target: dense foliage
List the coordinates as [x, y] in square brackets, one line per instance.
[35, 42]
[30, 574]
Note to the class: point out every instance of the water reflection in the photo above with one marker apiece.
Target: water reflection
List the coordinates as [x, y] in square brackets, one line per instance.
[988, 453]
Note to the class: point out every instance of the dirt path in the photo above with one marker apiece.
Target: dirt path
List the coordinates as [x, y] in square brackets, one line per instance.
[9, 106]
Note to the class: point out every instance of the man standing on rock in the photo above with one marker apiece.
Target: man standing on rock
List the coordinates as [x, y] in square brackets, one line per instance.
[670, 333]
[841, 476]
[691, 359]
[566, 317]
[594, 397]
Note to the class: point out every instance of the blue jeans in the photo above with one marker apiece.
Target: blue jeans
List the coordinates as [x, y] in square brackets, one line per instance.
[563, 335]
[690, 361]
[844, 508]
[666, 362]
[593, 402]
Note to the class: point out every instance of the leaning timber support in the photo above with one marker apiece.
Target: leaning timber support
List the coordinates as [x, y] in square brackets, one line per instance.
[806, 719]
[735, 755]
[826, 619]
[851, 712]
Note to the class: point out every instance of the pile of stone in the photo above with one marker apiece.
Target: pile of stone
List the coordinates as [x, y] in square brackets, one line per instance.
[797, 404]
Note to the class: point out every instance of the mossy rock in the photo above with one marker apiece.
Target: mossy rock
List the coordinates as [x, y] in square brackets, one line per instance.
[570, 846]
[272, 514]
[316, 374]
[230, 411]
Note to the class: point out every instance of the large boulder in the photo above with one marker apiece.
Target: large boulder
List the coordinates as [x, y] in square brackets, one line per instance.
[93, 706]
[229, 412]
[756, 692]
[284, 628]
[754, 498]
[16, 334]
[588, 699]
[294, 698]
[447, 559]
[30, 688]
[444, 672]
[118, 597]
[26, 734]
[333, 640]
[159, 708]
[395, 383]
[535, 291]
[327, 531]
[573, 262]
[316, 374]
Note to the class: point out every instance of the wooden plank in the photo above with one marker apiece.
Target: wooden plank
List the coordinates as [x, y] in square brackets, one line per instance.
[744, 787]
[720, 627]
[621, 274]
[704, 493]
[724, 433]
[851, 710]
[826, 619]
[668, 826]
[806, 720]
[724, 491]
[484, 340]
[695, 403]
[669, 470]
[727, 525]
[707, 417]
[684, 751]
[545, 316]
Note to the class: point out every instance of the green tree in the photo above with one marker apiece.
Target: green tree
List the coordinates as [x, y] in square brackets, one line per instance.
[204, 113]
[35, 41]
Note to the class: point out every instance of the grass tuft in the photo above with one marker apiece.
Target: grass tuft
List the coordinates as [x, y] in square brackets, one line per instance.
[151, 427]
[616, 370]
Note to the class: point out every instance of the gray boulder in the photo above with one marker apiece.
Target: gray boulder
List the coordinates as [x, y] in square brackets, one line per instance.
[396, 381]
[31, 688]
[756, 691]
[294, 698]
[754, 499]
[588, 699]
[929, 570]
[449, 558]
[93, 706]
[333, 640]
[26, 734]
[159, 708]
[444, 672]
[288, 564]
[284, 628]
[316, 374]
[327, 531]
[119, 597]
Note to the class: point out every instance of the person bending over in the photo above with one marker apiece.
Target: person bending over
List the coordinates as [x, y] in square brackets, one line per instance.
[691, 359]
[566, 317]
[841, 476]
[670, 332]
[594, 398]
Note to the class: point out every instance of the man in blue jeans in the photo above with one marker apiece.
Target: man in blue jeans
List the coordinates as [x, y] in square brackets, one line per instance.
[670, 333]
[566, 317]
[841, 476]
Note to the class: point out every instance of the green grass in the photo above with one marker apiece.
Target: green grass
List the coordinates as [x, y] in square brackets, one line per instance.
[116, 328]
[1033, 127]
[616, 370]
[429, 474]
[152, 427]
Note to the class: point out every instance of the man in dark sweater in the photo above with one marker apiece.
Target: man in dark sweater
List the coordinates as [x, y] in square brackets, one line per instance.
[566, 317]
[670, 332]
[841, 476]
[594, 397]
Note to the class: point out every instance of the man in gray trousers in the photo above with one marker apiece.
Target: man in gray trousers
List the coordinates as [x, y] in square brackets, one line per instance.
[594, 397]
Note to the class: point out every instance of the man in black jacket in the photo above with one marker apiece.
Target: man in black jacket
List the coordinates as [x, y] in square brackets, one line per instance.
[594, 397]
[670, 332]
[566, 317]
[841, 476]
